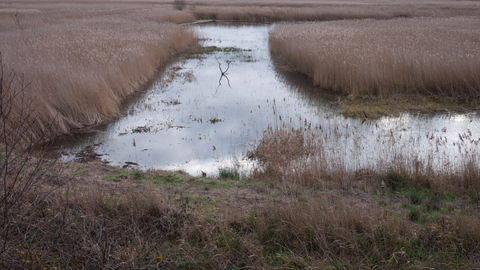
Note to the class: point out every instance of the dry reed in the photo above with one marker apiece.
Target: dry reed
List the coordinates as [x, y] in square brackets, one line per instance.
[125, 225]
[330, 155]
[79, 69]
[353, 233]
[431, 56]
[340, 225]
[268, 14]
[305, 10]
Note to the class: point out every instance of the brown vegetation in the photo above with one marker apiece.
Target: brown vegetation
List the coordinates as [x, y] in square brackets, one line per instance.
[429, 56]
[305, 207]
[107, 217]
[76, 54]
[317, 157]
[302, 209]
[80, 64]
[342, 224]
[269, 14]
[307, 10]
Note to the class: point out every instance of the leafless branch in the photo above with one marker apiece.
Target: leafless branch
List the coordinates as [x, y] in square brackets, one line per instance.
[223, 73]
[26, 178]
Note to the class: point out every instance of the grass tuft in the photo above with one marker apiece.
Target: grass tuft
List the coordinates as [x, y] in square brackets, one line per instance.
[229, 173]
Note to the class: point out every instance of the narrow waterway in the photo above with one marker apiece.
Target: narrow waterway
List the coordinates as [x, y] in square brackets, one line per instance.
[194, 119]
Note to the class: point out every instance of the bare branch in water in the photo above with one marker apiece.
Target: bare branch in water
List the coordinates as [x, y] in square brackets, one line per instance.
[223, 73]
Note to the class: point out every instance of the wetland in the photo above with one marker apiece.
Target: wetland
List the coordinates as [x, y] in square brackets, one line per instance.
[207, 111]
[344, 136]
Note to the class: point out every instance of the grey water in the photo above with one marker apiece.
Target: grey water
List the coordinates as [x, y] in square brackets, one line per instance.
[194, 119]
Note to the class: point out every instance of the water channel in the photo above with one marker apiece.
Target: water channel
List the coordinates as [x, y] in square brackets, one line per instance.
[194, 119]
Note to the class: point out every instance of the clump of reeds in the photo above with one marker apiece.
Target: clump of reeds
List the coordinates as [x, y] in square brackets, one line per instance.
[341, 223]
[330, 155]
[272, 13]
[429, 56]
[268, 11]
[79, 70]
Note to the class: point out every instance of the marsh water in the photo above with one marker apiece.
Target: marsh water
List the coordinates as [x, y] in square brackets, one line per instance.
[194, 119]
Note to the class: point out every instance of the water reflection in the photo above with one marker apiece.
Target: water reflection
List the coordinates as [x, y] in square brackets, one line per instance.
[190, 120]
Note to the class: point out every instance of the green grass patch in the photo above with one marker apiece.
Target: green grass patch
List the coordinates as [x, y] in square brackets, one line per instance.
[423, 203]
[137, 175]
[118, 177]
[228, 173]
[169, 178]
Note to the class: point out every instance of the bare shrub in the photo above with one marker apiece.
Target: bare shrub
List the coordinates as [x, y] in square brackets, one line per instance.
[28, 179]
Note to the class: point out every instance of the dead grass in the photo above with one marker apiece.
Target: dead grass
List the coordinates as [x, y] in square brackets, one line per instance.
[347, 233]
[83, 58]
[317, 157]
[80, 64]
[280, 10]
[306, 208]
[428, 56]
[269, 14]
[174, 221]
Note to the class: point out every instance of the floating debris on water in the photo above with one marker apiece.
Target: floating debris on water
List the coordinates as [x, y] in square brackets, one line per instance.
[88, 154]
[142, 129]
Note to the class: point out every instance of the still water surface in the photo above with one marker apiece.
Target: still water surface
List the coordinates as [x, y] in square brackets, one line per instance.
[195, 120]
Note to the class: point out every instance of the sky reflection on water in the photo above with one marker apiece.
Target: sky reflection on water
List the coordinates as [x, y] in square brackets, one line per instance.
[188, 121]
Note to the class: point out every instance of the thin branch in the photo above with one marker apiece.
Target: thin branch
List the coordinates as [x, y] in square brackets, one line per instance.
[223, 74]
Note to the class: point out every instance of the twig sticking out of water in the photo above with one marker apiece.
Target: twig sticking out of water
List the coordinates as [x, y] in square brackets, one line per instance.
[223, 73]
[135, 145]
